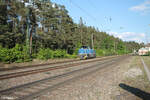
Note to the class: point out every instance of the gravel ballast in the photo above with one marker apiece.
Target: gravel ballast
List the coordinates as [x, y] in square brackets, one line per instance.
[105, 84]
[8, 83]
[102, 85]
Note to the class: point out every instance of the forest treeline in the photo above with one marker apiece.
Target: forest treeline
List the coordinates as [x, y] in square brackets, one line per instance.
[41, 29]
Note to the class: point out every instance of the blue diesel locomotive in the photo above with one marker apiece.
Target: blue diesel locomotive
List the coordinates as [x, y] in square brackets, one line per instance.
[86, 52]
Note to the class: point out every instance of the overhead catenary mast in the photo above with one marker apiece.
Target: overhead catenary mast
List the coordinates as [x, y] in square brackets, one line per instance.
[92, 40]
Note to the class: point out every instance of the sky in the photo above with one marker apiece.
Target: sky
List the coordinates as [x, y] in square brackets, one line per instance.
[127, 19]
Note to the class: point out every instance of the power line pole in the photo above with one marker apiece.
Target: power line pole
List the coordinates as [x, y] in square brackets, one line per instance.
[81, 35]
[81, 30]
[114, 46]
[92, 40]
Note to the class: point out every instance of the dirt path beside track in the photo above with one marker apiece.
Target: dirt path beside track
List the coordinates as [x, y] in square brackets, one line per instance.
[146, 69]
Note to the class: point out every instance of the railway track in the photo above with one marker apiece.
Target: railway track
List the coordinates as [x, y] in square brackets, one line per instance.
[34, 71]
[32, 90]
[38, 65]
[32, 66]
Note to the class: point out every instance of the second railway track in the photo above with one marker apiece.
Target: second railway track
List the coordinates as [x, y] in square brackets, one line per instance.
[34, 71]
[32, 90]
[32, 66]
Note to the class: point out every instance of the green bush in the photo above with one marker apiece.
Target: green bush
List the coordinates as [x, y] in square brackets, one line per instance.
[34, 55]
[21, 54]
[76, 51]
[60, 54]
[26, 54]
[110, 53]
[120, 52]
[70, 56]
[105, 52]
[45, 54]
[100, 52]
[16, 54]
[5, 55]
